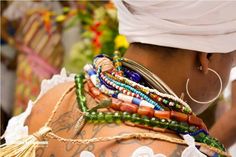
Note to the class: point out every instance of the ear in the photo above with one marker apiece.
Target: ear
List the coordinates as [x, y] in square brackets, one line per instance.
[204, 61]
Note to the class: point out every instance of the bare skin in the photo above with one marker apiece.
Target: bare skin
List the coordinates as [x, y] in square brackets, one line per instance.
[227, 135]
[175, 66]
[64, 125]
[178, 67]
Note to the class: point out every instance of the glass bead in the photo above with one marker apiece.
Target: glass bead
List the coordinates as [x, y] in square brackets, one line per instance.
[164, 123]
[173, 125]
[126, 116]
[186, 110]
[157, 107]
[117, 117]
[100, 117]
[145, 120]
[109, 117]
[178, 106]
[166, 102]
[200, 137]
[153, 122]
[135, 118]
[208, 141]
[84, 108]
[158, 123]
[93, 116]
[192, 129]
[77, 92]
[183, 127]
[213, 144]
[87, 116]
[135, 77]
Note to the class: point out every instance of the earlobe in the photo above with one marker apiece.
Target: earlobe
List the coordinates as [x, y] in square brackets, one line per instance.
[204, 61]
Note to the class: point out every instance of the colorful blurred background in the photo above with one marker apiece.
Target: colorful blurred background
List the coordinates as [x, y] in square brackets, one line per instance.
[44, 36]
[39, 37]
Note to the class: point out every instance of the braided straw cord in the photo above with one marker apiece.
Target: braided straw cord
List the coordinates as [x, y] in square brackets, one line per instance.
[48, 134]
[81, 121]
[58, 105]
[27, 146]
[130, 136]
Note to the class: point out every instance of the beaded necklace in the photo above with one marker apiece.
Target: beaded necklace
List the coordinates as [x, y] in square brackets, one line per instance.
[130, 100]
[122, 107]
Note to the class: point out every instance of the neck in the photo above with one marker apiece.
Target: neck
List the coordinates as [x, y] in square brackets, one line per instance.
[172, 67]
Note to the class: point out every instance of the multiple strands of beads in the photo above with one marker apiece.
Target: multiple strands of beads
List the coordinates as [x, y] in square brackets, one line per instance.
[131, 92]
[164, 121]
[174, 122]
[163, 99]
[119, 105]
[133, 103]
[154, 124]
[127, 90]
[92, 75]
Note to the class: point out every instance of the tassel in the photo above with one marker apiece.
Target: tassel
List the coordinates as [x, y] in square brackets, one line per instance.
[25, 147]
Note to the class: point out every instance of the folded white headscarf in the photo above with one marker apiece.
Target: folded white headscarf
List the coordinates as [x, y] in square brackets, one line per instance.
[207, 26]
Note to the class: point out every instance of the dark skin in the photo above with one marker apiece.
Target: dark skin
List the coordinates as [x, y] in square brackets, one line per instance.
[68, 114]
[64, 125]
[227, 135]
[180, 64]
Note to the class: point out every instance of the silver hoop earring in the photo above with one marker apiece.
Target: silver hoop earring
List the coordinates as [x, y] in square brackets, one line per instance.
[213, 99]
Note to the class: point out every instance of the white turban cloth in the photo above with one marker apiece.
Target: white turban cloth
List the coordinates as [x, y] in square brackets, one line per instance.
[206, 26]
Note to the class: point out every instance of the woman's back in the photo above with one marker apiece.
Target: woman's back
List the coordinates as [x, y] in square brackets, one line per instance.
[64, 125]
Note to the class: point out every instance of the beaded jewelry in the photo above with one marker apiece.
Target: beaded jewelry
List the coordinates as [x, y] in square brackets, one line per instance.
[157, 123]
[120, 111]
[129, 90]
[118, 64]
[155, 95]
[119, 105]
[158, 86]
[92, 75]
[137, 104]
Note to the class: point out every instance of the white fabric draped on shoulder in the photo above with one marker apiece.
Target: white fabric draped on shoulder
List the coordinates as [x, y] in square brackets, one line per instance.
[17, 123]
[207, 26]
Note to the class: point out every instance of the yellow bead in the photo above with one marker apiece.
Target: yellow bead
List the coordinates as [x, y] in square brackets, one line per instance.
[117, 64]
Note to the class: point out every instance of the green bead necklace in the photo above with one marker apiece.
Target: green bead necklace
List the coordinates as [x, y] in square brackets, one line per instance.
[94, 116]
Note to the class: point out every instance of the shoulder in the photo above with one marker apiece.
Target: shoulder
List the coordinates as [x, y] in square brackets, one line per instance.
[45, 104]
[66, 117]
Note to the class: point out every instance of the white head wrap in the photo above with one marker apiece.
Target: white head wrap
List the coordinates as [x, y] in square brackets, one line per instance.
[207, 26]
